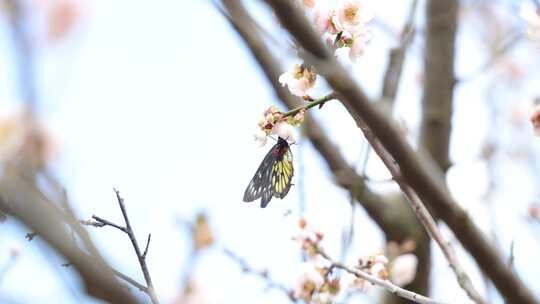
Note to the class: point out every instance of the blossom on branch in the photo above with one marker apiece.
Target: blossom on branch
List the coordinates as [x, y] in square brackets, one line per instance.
[273, 122]
[352, 16]
[309, 280]
[23, 138]
[299, 80]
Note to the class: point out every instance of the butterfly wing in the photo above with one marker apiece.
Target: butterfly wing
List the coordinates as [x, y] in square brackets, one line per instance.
[260, 186]
[282, 173]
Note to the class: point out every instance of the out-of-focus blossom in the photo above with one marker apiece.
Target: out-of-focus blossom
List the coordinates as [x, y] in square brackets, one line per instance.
[201, 233]
[309, 4]
[62, 16]
[535, 119]
[403, 269]
[534, 212]
[358, 45]
[324, 20]
[24, 139]
[308, 237]
[299, 80]
[309, 280]
[376, 265]
[408, 246]
[352, 16]
[532, 18]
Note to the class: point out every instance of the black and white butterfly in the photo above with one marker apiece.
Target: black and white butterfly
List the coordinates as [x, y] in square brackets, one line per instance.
[274, 175]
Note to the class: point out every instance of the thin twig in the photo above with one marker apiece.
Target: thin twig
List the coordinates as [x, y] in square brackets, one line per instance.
[263, 274]
[511, 258]
[311, 104]
[398, 291]
[101, 222]
[140, 257]
[147, 246]
[131, 281]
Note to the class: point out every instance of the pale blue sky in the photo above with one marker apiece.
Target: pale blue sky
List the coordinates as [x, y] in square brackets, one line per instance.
[160, 99]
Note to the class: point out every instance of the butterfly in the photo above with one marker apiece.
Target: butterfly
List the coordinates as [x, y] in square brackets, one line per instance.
[274, 175]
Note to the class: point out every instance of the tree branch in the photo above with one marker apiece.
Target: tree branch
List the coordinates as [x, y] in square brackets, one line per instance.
[100, 222]
[24, 201]
[379, 282]
[419, 172]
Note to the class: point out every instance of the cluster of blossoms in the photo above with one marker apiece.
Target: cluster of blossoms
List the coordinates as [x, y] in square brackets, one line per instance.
[315, 285]
[299, 80]
[274, 122]
[344, 25]
[23, 138]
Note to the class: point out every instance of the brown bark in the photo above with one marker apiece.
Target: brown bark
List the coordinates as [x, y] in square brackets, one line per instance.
[439, 80]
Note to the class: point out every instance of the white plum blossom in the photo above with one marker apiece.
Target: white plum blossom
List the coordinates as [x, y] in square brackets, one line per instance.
[324, 18]
[403, 269]
[352, 16]
[284, 130]
[299, 80]
[378, 269]
[358, 45]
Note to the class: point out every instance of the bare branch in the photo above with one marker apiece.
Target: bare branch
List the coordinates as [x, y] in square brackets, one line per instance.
[24, 201]
[100, 222]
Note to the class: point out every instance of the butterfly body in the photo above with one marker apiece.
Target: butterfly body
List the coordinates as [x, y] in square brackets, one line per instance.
[274, 175]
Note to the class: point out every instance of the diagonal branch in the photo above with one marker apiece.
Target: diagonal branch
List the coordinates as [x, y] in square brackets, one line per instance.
[24, 201]
[425, 218]
[379, 282]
